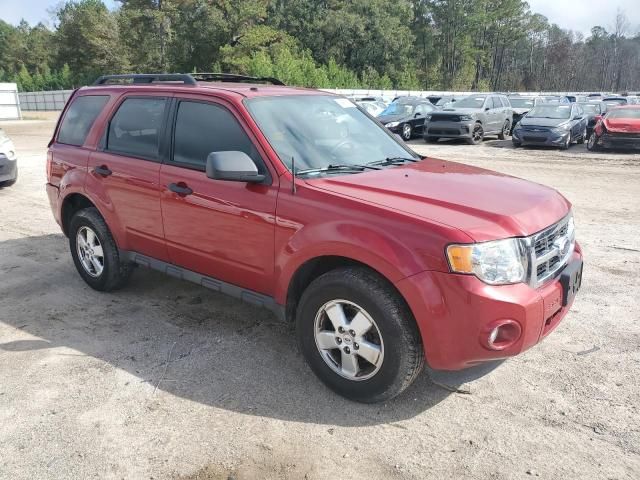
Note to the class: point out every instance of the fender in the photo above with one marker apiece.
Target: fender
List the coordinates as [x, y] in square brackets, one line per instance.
[342, 238]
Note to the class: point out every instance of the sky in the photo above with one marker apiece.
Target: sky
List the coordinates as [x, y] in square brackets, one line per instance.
[577, 15]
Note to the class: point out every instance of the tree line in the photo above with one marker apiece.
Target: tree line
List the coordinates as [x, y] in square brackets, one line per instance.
[498, 45]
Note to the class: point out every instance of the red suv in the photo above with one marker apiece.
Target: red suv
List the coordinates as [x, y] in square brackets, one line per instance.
[299, 201]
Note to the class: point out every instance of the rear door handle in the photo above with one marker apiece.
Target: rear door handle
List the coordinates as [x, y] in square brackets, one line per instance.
[180, 188]
[102, 170]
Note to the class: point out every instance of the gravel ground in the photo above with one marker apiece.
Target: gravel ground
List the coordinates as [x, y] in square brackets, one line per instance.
[167, 380]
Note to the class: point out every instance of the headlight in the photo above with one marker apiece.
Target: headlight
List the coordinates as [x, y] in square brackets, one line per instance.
[392, 124]
[564, 128]
[466, 118]
[500, 262]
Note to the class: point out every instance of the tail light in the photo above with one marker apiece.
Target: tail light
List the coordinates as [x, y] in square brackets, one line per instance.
[49, 164]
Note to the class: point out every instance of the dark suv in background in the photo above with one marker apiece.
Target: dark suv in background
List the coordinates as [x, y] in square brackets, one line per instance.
[472, 119]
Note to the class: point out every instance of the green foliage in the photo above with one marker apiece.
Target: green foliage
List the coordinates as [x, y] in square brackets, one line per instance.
[378, 44]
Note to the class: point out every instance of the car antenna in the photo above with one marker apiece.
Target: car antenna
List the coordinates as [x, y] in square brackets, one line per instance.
[293, 170]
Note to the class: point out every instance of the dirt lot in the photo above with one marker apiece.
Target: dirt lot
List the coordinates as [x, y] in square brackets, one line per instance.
[167, 380]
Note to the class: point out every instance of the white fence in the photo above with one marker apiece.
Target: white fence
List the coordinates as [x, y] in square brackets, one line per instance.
[43, 101]
[9, 102]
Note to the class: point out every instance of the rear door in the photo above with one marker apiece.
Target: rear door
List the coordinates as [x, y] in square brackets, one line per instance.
[218, 228]
[124, 172]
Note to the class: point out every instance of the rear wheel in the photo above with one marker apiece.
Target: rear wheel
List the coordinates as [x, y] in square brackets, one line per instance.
[95, 253]
[477, 135]
[506, 129]
[406, 131]
[583, 137]
[592, 144]
[358, 335]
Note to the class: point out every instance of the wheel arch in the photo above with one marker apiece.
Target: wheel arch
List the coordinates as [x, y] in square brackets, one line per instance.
[70, 205]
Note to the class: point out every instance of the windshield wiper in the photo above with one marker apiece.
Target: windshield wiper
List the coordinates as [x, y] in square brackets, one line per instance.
[393, 161]
[337, 168]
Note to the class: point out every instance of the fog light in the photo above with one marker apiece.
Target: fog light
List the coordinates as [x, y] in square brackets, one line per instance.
[501, 334]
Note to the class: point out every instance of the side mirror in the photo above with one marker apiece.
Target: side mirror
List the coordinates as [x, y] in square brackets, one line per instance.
[232, 166]
[578, 117]
[418, 114]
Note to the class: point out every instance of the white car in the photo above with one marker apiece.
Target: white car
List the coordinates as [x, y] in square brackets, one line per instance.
[373, 108]
[8, 161]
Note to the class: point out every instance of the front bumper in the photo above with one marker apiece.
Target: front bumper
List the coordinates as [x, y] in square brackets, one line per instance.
[397, 129]
[446, 129]
[620, 140]
[453, 313]
[8, 168]
[546, 138]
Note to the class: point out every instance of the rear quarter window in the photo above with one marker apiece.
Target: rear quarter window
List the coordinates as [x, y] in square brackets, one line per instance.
[79, 119]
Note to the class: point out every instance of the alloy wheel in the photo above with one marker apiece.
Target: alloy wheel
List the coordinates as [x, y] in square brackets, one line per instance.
[90, 251]
[406, 131]
[348, 340]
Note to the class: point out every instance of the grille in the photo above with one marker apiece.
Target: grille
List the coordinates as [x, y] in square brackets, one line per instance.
[443, 117]
[550, 250]
[443, 131]
[529, 138]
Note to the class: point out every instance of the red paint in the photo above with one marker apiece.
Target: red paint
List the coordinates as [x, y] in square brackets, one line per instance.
[397, 221]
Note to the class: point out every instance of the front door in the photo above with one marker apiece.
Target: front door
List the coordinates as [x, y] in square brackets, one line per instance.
[221, 229]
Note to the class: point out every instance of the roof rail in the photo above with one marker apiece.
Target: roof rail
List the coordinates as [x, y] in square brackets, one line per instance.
[148, 78]
[232, 77]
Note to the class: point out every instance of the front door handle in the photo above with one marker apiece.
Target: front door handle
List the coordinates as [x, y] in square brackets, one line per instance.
[180, 188]
[102, 170]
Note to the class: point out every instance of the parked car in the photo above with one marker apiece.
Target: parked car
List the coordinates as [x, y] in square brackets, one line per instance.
[405, 116]
[552, 125]
[447, 101]
[618, 128]
[615, 101]
[556, 99]
[593, 111]
[472, 119]
[373, 108]
[298, 201]
[8, 161]
[521, 106]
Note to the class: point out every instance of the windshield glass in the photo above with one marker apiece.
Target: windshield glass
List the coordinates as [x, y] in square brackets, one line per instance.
[397, 108]
[521, 102]
[624, 113]
[470, 102]
[319, 131]
[591, 108]
[550, 111]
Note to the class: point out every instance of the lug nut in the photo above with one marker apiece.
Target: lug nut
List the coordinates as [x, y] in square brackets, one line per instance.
[352, 333]
[340, 330]
[339, 340]
[347, 350]
[356, 346]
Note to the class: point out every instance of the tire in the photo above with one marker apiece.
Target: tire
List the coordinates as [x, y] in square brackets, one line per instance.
[391, 332]
[592, 144]
[477, 135]
[431, 139]
[88, 229]
[8, 183]
[506, 130]
[516, 144]
[567, 144]
[583, 137]
[407, 132]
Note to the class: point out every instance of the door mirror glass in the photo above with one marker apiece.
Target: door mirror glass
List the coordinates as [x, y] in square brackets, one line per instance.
[233, 166]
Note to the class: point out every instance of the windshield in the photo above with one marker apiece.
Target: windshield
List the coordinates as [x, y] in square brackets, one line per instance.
[470, 102]
[319, 131]
[397, 108]
[624, 113]
[521, 102]
[591, 108]
[550, 111]
[615, 101]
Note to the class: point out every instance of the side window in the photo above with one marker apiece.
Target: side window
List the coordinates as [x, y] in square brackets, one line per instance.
[135, 128]
[80, 117]
[421, 110]
[505, 102]
[202, 128]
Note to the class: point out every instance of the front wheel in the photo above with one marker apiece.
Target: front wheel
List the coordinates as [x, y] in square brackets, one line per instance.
[583, 136]
[477, 135]
[567, 143]
[358, 335]
[95, 253]
[506, 129]
[592, 144]
[407, 132]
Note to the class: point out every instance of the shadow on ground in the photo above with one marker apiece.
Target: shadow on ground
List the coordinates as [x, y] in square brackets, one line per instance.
[182, 339]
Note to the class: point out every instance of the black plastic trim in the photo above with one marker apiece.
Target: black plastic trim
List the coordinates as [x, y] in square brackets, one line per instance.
[146, 78]
[248, 296]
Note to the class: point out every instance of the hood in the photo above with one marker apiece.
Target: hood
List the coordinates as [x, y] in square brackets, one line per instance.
[485, 205]
[392, 118]
[462, 111]
[542, 122]
[622, 125]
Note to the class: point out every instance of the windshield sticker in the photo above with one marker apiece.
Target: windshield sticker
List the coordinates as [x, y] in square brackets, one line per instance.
[344, 103]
